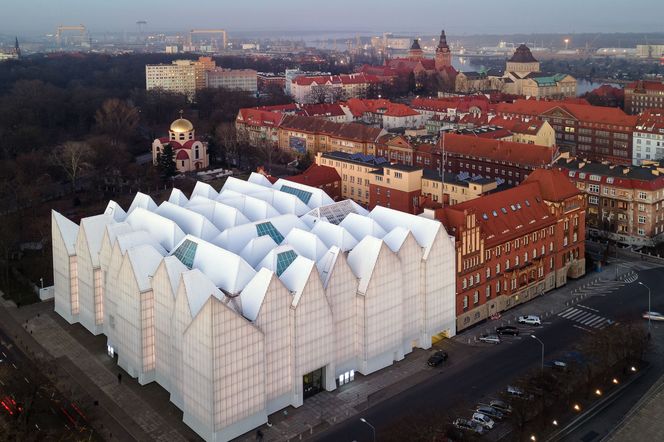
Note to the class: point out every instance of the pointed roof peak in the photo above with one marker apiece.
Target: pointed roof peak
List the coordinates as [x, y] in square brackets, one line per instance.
[442, 42]
[416, 44]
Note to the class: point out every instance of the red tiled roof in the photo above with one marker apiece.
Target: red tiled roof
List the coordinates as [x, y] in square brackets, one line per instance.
[407, 65]
[258, 117]
[348, 131]
[499, 150]
[359, 106]
[461, 104]
[380, 71]
[518, 126]
[582, 112]
[554, 184]
[316, 176]
[182, 155]
[648, 85]
[503, 215]
[322, 110]
[358, 78]
[495, 134]
[651, 121]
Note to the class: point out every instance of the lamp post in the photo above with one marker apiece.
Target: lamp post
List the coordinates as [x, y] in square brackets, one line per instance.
[640, 283]
[566, 43]
[373, 429]
[542, 343]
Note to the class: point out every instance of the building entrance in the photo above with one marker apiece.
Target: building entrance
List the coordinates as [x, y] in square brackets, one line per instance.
[312, 383]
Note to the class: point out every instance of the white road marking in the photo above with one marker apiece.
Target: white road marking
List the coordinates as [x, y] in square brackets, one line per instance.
[26, 379]
[582, 328]
[589, 308]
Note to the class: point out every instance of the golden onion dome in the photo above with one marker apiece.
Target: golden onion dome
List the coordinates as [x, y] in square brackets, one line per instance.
[181, 126]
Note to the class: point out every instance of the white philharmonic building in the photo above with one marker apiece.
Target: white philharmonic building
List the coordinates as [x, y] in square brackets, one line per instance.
[245, 301]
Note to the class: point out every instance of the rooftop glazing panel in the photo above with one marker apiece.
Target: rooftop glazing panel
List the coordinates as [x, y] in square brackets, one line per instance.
[186, 253]
[267, 228]
[303, 195]
[284, 259]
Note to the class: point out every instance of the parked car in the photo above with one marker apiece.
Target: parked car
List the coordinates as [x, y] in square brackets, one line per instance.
[483, 420]
[518, 393]
[501, 406]
[437, 358]
[488, 410]
[530, 320]
[653, 316]
[468, 425]
[490, 339]
[508, 330]
[558, 365]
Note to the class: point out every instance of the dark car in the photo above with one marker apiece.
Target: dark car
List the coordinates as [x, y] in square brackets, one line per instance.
[507, 330]
[437, 358]
[501, 406]
[490, 411]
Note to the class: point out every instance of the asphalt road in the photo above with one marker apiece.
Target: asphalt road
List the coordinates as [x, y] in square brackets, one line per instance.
[493, 367]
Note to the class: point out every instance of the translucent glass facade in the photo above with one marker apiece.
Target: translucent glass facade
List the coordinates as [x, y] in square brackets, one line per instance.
[331, 289]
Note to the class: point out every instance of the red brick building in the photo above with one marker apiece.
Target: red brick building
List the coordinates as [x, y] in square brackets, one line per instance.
[642, 95]
[515, 245]
[592, 132]
[398, 187]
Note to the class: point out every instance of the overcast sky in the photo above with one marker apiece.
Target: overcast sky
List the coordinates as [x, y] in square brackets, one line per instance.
[419, 16]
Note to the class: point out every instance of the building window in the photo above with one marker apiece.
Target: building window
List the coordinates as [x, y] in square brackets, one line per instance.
[594, 188]
[476, 297]
[498, 287]
[575, 236]
[642, 219]
[516, 260]
[525, 257]
[463, 284]
[465, 302]
[565, 241]
[593, 199]
[488, 272]
[507, 264]
[497, 269]
[643, 196]
[642, 232]
[488, 291]
[551, 263]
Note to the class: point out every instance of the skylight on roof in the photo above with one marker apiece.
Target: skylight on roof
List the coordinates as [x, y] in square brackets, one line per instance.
[303, 195]
[284, 259]
[513, 207]
[502, 209]
[267, 228]
[495, 213]
[186, 253]
[527, 203]
[485, 217]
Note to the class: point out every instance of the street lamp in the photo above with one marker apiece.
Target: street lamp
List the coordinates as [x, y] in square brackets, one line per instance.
[373, 429]
[540, 341]
[566, 43]
[640, 283]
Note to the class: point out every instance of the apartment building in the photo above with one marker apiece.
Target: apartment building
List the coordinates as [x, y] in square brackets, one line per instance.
[515, 245]
[648, 138]
[643, 95]
[233, 79]
[317, 89]
[625, 203]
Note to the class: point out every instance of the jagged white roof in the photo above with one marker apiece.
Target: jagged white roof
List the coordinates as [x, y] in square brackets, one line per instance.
[362, 260]
[136, 238]
[113, 230]
[424, 230]
[260, 179]
[253, 208]
[361, 226]
[395, 238]
[93, 228]
[317, 197]
[174, 268]
[178, 198]
[199, 288]
[235, 239]
[113, 208]
[334, 213]
[254, 293]
[257, 248]
[326, 264]
[241, 186]
[225, 269]
[221, 215]
[191, 223]
[296, 276]
[204, 189]
[306, 244]
[283, 202]
[144, 201]
[144, 260]
[164, 230]
[68, 229]
[334, 235]
[271, 259]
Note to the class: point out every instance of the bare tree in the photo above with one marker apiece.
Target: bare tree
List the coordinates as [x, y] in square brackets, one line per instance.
[229, 140]
[117, 119]
[318, 94]
[72, 157]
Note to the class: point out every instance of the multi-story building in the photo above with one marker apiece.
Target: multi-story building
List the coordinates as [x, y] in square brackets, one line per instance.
[190, 153]
[319, 89]
[180, 77]
[592, 132]
[355, 171]
[233, 79]
[643, 95]
[246, 301]
[648, 138]
[361, 177]
[258, 126]
[267, 79]
[313, 135]
[515, 245]
[292, 74]
[625, 203]
[655, 51]
[538, 132]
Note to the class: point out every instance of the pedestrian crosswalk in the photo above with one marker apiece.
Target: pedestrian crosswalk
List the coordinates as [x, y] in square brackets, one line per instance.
[585, 316]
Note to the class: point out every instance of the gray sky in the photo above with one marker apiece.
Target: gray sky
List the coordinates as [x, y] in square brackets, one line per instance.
[422, 16]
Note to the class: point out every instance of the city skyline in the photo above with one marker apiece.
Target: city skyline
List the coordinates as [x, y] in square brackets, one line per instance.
[39, 16]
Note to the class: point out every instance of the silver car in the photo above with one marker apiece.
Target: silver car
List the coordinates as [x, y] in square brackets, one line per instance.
[490, 339]
[483, 420]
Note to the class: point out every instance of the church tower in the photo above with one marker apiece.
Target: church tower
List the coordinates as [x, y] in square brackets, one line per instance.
[415, 52]
[443, 54]
[17, 48]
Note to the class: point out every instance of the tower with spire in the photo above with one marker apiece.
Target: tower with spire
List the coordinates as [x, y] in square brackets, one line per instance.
[443, 54]
[415, 52]
[17, 48]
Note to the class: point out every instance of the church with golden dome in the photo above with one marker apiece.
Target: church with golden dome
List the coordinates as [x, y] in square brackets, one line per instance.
[189, 153]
